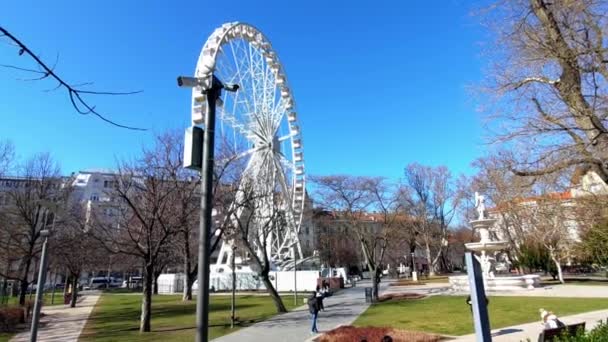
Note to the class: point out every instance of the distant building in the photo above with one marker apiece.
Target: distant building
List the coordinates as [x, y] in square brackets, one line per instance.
[585, 183]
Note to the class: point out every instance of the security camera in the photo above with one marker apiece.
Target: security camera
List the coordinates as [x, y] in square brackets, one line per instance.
[231, 87]
[188, 82]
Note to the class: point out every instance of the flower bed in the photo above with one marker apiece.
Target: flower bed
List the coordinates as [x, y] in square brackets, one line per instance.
[400, 296]
[349, 333]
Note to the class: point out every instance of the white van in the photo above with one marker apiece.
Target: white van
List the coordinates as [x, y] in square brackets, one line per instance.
[99, 283]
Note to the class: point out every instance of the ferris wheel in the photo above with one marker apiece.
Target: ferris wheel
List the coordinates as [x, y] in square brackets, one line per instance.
[258, 128]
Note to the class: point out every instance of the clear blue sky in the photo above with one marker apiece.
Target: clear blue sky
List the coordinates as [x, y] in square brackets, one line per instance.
[377, 84]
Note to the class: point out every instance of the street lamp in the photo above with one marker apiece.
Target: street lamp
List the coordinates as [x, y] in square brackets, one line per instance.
[295, 273]
[40, 287]
[212, 92]
[44, 233]
[233, 301]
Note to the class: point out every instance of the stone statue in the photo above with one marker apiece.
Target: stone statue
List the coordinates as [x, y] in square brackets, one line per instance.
[480, 206]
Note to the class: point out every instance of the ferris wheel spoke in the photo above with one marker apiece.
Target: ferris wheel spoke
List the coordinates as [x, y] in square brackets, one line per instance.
[288, 136]
[239, 156]
[284, 161]
[283, 182]
[291, 224]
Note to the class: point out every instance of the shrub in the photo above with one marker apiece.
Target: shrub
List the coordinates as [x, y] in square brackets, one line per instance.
[597, 334]
[10, 317]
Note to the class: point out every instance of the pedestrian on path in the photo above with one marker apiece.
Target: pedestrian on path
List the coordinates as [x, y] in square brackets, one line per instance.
[320, 295]
[314, 308]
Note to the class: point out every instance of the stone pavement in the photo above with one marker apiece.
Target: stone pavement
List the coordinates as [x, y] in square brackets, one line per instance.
[62, 323]
[532, 330]
[578, 291]
[340, 309]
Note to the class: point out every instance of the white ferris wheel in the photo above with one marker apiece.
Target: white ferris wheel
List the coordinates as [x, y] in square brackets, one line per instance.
[257, 126]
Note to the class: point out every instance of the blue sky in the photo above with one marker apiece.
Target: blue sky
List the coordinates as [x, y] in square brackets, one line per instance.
[377, 84]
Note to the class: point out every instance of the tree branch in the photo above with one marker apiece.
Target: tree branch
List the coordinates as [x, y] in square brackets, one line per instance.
[74, 93]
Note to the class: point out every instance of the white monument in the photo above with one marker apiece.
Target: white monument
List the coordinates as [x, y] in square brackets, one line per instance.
[484, 250]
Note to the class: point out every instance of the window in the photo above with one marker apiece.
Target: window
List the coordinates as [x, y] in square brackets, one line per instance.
[94, 197]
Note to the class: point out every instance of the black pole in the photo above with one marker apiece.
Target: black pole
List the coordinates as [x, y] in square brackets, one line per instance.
[233, 301]
[202, 300]
[479, 302]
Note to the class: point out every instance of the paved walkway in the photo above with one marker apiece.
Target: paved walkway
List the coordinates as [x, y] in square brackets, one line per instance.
[578, 291]
[532, 330]
[62, 323]
[340, 309]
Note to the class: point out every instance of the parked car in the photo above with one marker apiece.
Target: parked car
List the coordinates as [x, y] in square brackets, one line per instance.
[133, 283]
[98, 283]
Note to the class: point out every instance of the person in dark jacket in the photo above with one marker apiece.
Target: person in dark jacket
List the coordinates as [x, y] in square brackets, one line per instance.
[314, 308]
[320, 296]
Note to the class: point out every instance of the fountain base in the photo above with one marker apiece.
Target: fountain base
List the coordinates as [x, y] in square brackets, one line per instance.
[498, 283]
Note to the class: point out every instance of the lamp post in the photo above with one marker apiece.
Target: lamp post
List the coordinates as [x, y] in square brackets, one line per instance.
[295, 273]
[233, 301]
[40, 287]
[44, 233]
[212, 92]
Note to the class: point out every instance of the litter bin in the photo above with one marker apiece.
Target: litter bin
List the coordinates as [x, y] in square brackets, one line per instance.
[368, 295]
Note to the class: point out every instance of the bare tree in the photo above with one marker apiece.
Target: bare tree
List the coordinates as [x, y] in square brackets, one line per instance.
[73, 248]
[7, 156]
[335, 246]
[353, 199]
[549, 220]
[549, 77]
[432, 204]
[504, 190]
[253, 218]
[28, 213]
[148, 218]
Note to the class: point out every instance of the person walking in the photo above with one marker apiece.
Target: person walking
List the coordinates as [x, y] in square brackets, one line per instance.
[320, 296]
[314, 308]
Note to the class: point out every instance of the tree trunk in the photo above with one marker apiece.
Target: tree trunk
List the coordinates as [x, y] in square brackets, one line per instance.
[278, 302]
[74, 290]
[375, 281]
[155, 287]
[4, 290]
[146, 304]
[188, 282]
[24, 282]
[558, 265]
[429, 259]
[188, 278]
[433, 267]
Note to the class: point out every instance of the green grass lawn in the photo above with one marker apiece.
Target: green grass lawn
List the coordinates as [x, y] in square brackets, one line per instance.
[4, 337]
[47, 298]
[116, 317]
[450, 315]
